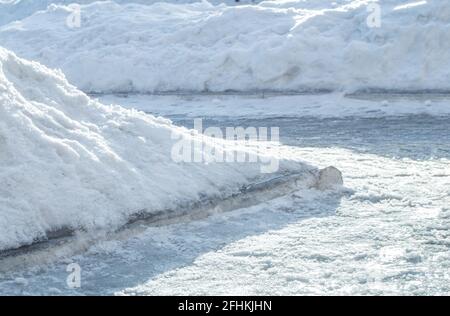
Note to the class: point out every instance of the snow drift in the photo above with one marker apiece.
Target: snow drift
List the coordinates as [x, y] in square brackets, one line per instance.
[68, 161]
[14, 10]
[276, 45]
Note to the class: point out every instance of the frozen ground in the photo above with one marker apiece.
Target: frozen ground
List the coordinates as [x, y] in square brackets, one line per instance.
[388, 233]
[272, 104]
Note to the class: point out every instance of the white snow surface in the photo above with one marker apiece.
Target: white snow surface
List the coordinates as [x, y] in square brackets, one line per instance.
[389, 237]
[275, 45]
[69, 161]
[14, 10]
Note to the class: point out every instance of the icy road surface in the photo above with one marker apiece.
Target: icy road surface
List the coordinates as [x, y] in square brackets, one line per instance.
[388, 233]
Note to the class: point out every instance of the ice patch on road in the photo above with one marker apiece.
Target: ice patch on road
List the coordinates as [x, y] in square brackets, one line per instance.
[365, 247]
[262, 105]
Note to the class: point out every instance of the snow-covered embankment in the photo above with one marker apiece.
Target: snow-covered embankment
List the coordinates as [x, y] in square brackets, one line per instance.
[67, 161]
[283, 46]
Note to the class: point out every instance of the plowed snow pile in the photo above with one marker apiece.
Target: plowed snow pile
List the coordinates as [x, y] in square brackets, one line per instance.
[69, 161]
[13, 10]
[276, 45]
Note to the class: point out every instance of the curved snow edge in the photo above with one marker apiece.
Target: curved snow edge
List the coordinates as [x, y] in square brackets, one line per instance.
[69, 163]
[246, 196]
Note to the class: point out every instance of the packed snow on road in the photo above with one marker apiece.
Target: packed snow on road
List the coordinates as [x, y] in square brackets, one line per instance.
[187, 147]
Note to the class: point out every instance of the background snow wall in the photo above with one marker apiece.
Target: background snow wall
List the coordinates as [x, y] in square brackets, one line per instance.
[282, 46]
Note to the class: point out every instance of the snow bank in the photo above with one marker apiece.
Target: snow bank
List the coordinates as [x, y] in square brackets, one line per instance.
[69, 161]
[276, 45]
[14, 10]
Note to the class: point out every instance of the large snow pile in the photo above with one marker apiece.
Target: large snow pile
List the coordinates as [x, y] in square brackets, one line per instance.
[13, 10]
[69, 161]
[276, 45]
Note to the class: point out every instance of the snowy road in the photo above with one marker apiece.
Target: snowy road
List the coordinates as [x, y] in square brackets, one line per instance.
[389, 233]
